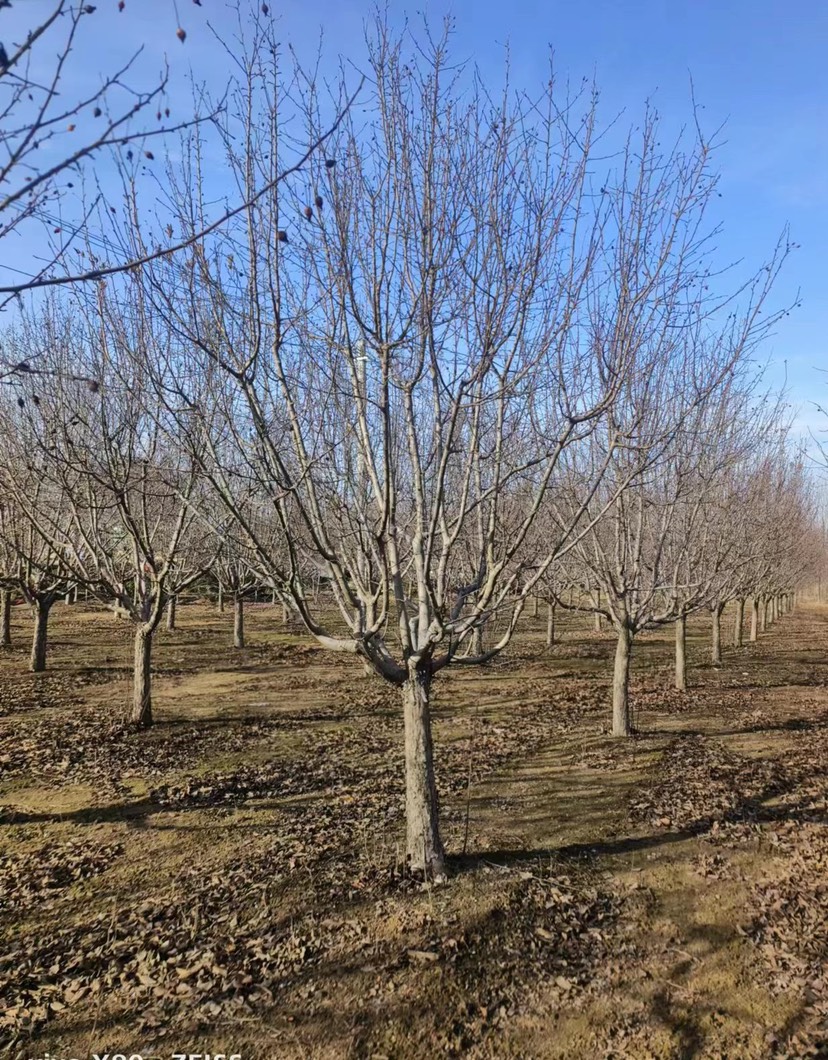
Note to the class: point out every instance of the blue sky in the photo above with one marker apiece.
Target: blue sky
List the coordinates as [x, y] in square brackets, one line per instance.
[759, 67]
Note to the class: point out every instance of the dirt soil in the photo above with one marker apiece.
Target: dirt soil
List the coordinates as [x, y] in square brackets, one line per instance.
[232, 881]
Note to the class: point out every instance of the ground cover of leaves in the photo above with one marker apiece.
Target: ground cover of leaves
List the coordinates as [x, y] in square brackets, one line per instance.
[236, 872]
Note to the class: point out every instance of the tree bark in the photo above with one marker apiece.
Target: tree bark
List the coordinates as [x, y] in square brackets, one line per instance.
[754, 619]
[424, 848]
[739, 625]
[221, 598]
[68, 598]
[763, 615]
[621, 715]
[5, 618]
[238, 622]
[285, 613]
[142, 679]
[171, 613]
[550, 625]
[681, 653]
[39, 640]
[717, 634]
[534, 607]
[598, 624]
[477, 641]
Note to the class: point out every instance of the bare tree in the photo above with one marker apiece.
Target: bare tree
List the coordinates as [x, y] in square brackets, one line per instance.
[659, 554]
[116, 501]
[33, 566]
[400, 369]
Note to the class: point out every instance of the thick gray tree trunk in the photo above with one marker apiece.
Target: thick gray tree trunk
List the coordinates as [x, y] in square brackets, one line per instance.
[142, 679]
[221, 598]
[39, 640]
[550, 625]
[171, 616]
[238, 622]
[681, 653]
[716, 653]
[621, 714]
[285, 613]
[69, 597]
[424, 848]
[739, 624]
[754, 619]
[534, 607]
[763, 615]
[5, 618]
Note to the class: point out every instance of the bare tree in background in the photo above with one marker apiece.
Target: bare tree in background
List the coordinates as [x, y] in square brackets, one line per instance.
[658, 555]
[96, 476]
[8, 569]
[34, 566]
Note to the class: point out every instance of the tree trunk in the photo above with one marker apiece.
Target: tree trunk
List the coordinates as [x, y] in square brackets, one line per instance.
[68, 598]
[42, 609]
[754, 619]
[477, 641]
[550, 625]
[534, 607]
[717, 634]
[598, 623]
[5, 618]
[681, 653]
[142, 679]
[285, 613]
[171, 613]
[424, 847]
[238, 622]
[739, 625]
[763, 616]
[621, 715]
[221, 598]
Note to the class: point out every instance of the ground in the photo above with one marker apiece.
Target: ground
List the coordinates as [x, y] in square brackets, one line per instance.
[232, 880]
